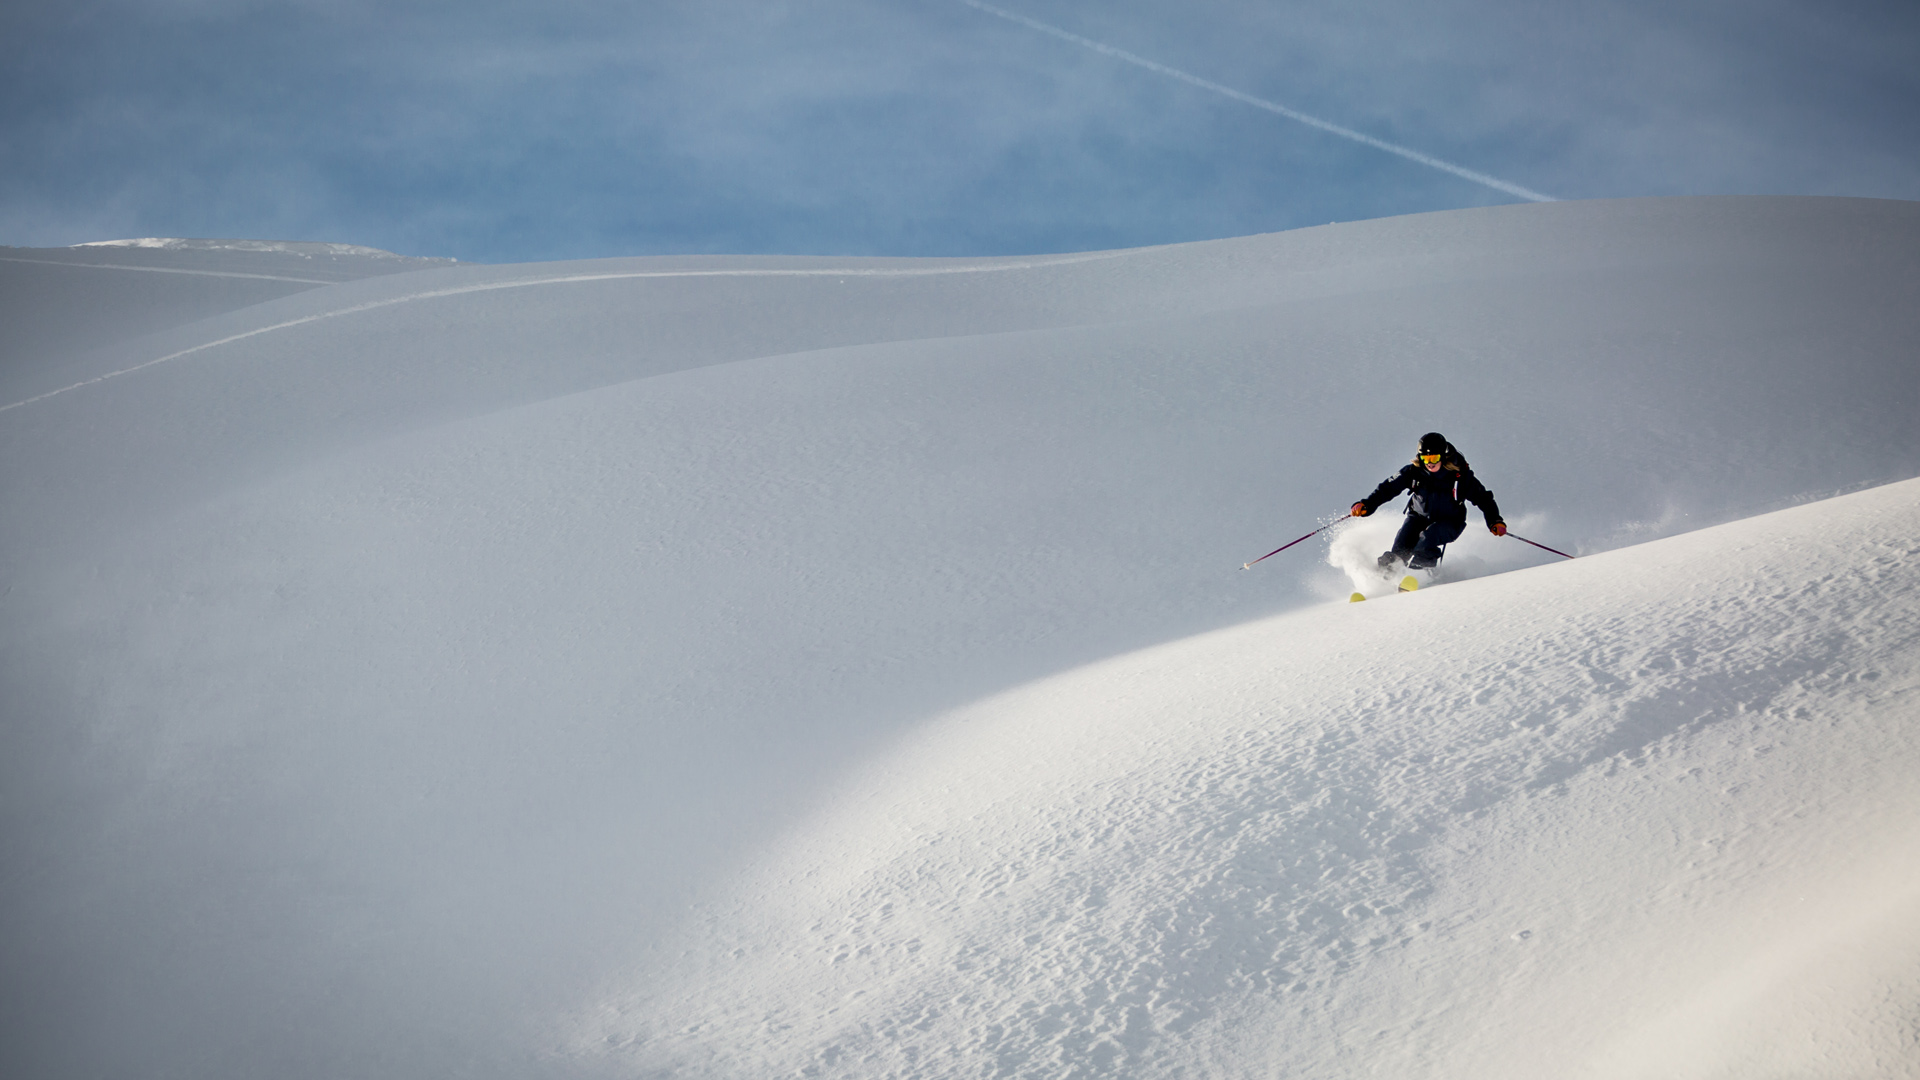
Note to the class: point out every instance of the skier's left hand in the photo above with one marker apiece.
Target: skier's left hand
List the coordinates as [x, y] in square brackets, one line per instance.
[1498, 528]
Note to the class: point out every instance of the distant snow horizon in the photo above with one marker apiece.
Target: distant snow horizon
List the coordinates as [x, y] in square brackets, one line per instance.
[304, 247]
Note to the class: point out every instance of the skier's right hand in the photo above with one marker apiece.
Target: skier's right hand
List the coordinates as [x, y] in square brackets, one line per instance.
[1360, 509]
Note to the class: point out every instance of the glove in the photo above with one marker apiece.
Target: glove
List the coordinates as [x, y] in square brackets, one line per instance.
[1360, 509]
[1498, 528]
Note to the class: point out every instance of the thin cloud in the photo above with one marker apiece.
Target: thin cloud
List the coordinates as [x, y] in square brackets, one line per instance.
[1328, 126]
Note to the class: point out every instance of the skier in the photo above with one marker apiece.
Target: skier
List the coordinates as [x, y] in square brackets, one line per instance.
[1439, 479]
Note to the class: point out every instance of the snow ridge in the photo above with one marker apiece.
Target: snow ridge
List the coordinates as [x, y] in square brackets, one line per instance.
[565, 279]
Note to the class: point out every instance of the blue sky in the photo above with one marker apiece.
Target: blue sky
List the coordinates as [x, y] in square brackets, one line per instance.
[506, 132]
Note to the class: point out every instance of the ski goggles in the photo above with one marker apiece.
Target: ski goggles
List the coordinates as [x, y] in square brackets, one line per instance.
[1429, 459]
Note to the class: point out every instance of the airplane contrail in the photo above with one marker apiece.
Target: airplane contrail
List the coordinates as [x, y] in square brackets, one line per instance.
[1410, 154]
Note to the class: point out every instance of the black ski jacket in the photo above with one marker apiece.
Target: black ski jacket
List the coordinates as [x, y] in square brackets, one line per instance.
[1437, 496]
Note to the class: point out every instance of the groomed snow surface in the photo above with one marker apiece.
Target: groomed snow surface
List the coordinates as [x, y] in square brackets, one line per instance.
[776, 667]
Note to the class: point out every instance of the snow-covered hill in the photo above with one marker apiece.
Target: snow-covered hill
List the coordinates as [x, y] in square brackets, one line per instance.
[1647, 814]
[59, 304]
[400, 671]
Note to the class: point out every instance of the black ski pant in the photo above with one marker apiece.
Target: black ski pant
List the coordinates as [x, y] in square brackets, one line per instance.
[1422, 540]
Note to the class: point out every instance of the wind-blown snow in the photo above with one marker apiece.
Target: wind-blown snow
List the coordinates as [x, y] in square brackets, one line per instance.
[444, 672]
[294, 247]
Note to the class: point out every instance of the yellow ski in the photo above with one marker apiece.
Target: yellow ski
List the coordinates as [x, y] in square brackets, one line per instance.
[1407, 584]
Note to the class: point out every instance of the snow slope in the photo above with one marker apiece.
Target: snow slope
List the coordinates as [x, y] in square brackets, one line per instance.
[390, 666]
[1651, 813]
[59, 304]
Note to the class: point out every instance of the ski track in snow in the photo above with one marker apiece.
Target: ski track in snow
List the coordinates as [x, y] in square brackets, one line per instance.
[1105, 873]
[558, 279]
[169, 270]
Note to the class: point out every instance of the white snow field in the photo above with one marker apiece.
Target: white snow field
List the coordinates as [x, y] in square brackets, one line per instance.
[57, 304]
[741, 667]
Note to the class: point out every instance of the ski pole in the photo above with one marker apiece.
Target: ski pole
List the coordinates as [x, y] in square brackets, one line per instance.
[1290, 543]
[1542, 547]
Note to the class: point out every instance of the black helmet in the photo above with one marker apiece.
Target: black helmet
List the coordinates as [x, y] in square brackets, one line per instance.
[1433, 443]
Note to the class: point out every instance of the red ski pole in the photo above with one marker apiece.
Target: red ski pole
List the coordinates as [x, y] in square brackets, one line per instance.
[1542, 547]
[1290, 543]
